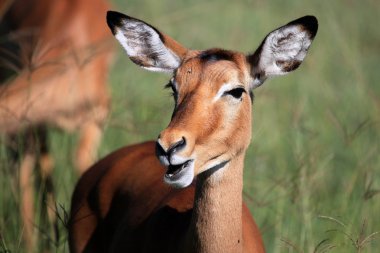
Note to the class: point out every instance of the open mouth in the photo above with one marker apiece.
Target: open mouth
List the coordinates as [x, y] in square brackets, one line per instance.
[174, 170]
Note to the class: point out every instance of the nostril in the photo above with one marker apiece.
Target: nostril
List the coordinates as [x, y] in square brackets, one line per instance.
[177, 146]
[161, 154]
[159, 149]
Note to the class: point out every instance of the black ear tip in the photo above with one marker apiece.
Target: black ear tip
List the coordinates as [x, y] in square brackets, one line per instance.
[310, 23]
[114, 20]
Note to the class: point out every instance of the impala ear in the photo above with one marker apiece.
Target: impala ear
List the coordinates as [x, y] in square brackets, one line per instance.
[282, 50]
[144, 44]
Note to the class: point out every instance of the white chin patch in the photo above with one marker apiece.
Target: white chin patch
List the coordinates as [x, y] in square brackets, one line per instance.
[180, 176]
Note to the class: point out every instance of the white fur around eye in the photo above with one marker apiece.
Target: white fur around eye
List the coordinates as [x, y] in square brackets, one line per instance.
[222, 90]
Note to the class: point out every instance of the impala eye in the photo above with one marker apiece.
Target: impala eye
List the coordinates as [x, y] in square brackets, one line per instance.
[174, 92]
[236, 93]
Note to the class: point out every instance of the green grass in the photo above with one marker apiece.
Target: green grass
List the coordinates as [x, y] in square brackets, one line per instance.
[313, 168]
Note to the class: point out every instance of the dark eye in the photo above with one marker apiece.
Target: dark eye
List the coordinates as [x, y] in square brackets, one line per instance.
[236, 93]
[172, 87]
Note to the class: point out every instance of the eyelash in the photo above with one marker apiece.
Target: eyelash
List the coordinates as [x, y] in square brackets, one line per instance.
[173, 93]
[236, 93]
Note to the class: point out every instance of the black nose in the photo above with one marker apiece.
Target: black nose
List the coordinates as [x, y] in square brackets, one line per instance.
[160, 151]
[177, 146]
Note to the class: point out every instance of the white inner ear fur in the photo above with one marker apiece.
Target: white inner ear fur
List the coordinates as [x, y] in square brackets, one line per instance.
[142, 42]
[286, 45]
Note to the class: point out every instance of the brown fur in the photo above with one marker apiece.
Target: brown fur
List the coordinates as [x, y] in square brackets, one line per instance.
[122, 204]
[60, 67]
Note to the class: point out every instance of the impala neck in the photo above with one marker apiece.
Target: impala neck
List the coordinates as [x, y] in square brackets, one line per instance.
[217, 215]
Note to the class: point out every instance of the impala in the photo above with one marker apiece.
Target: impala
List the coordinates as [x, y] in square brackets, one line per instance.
[59, 53]
[190, 198]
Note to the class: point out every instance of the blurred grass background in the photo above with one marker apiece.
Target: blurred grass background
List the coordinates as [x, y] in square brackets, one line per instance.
[313, 168]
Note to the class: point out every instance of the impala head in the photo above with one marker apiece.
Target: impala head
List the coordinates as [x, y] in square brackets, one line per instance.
[211, 122]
